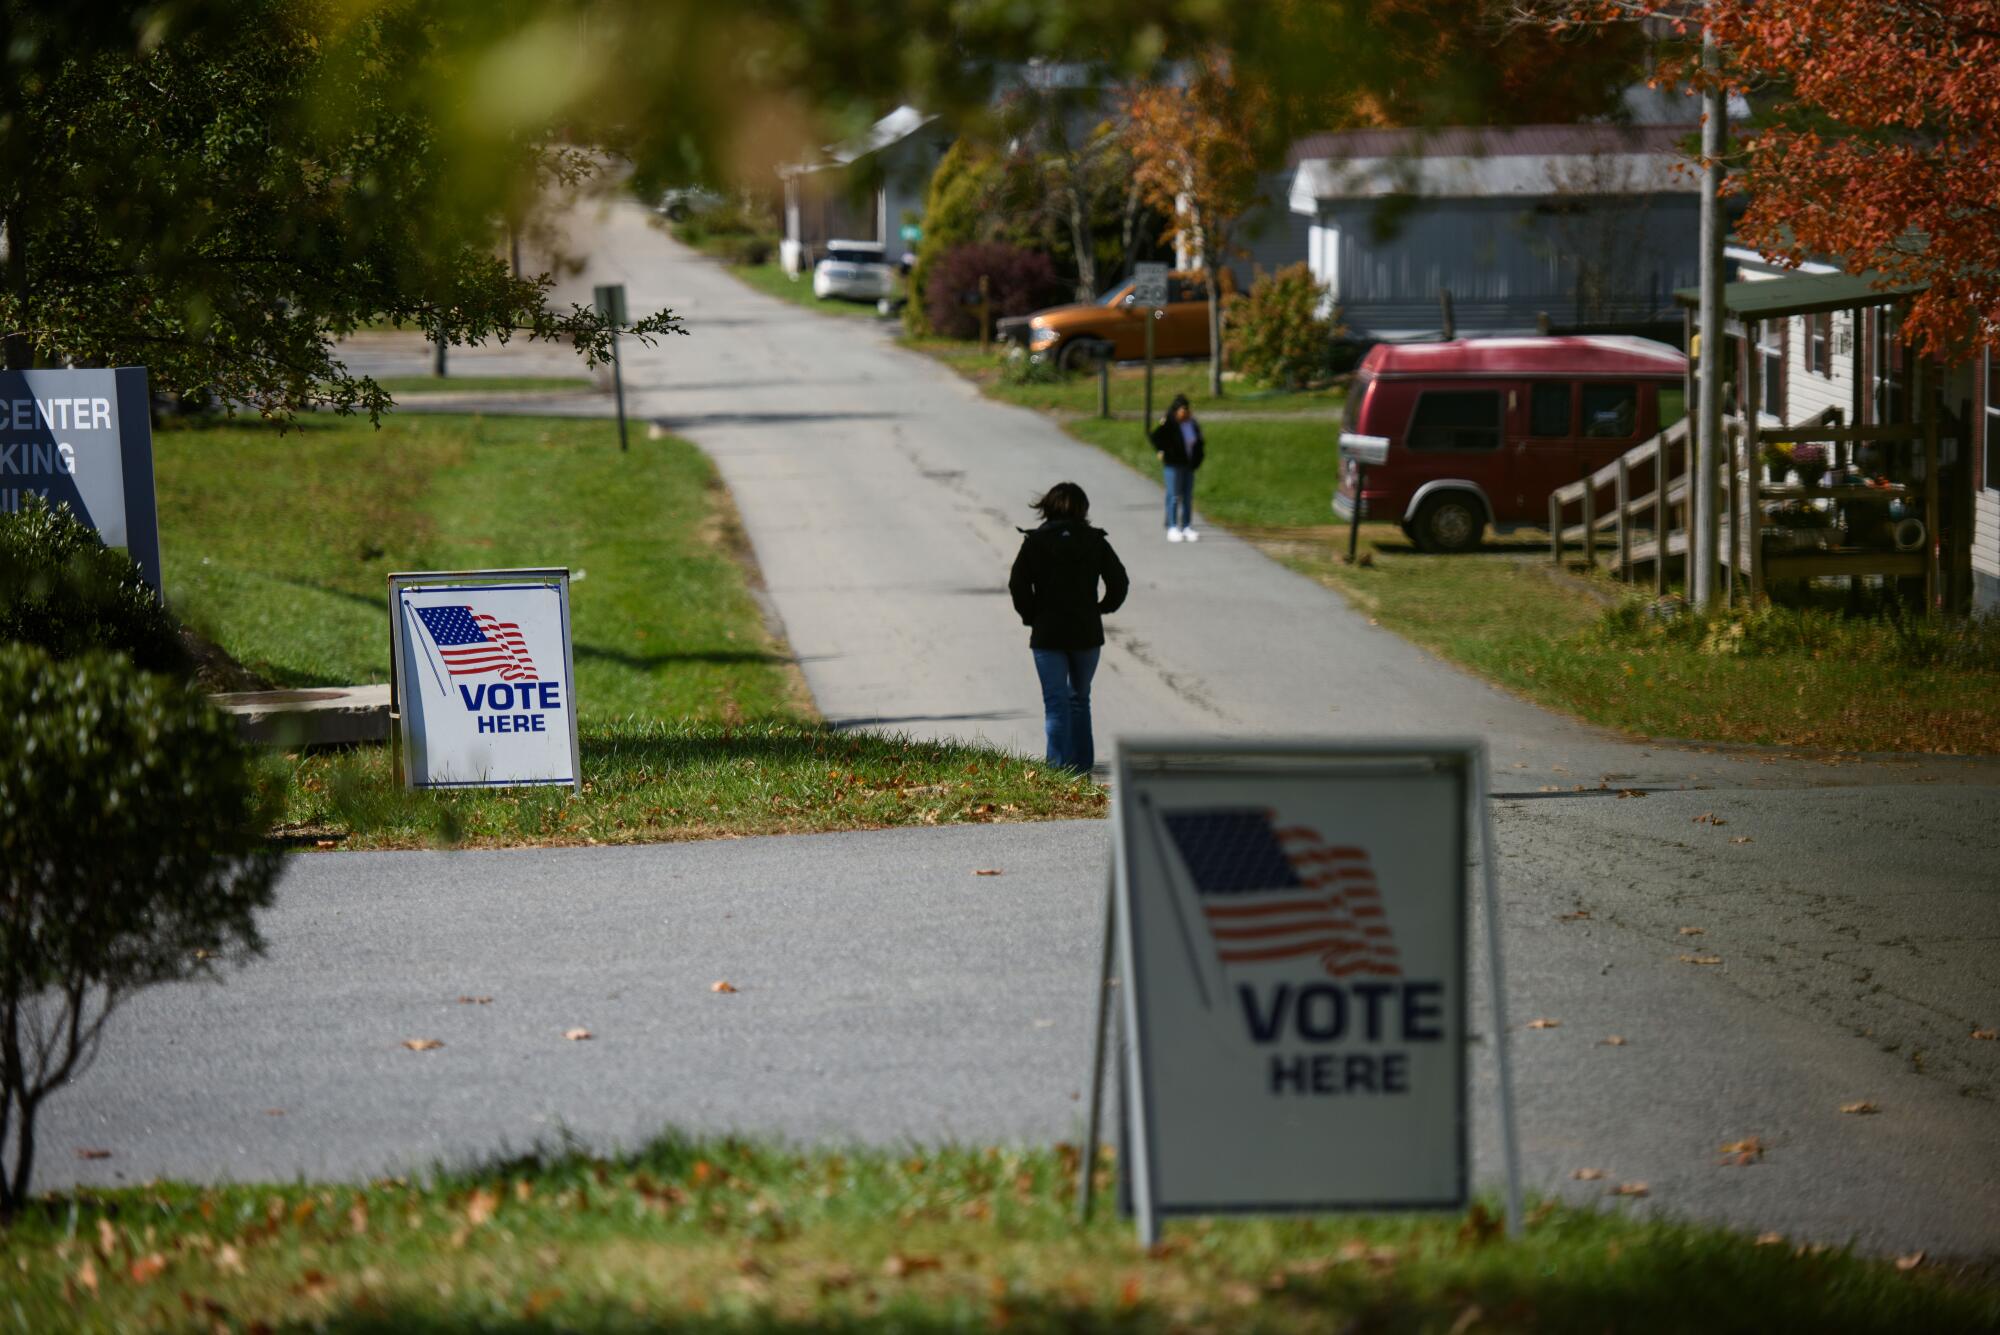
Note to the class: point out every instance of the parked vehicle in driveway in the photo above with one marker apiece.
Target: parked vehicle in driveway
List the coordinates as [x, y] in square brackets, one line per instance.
[856, 270]
[1475, 433]
[684, 202]
[1075, 335]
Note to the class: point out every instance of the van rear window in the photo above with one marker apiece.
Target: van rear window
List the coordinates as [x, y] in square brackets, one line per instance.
[1350, 415]
[1456, 419]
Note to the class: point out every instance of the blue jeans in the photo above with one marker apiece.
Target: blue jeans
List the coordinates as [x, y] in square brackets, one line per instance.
[1066, 675]
[1180, 495]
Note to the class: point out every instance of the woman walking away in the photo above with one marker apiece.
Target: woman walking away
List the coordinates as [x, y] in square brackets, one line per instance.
[1054, 584]
[1177, 440]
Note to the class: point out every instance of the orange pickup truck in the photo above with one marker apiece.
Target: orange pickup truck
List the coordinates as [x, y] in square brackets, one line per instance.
[1073, 336]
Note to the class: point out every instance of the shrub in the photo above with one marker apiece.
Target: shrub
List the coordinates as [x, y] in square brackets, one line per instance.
[1276, 334]
[957, 210]
[1020, 281]
[1021, 369]
[1809, 633]
[750, 250]
[62, 589]
[132, 852]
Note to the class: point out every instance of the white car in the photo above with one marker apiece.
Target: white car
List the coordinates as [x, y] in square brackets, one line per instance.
[857, 270]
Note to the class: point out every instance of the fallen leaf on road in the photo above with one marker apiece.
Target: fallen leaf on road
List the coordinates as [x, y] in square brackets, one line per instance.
[1860, 1109]
[422, 1044]
[1631, 1189]
[1709, 818]
[1986, 1035]
[899, 1265]
[1694, 931]
[1742, 1153]
[1739, 838]
[1545, 1023]
[147, 1268]
[987, 871]
[93, 1154]
[1549, 788]
[1573, 916]
[1701, 959]
[1910, 1262]
[475, 1001]
[1614, 1041]
[1588, 1174]
[578, 1034]
[722, 985]
[1631, 792]
[274, 1112]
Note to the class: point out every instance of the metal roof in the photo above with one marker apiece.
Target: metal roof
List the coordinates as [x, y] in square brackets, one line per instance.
[1502, 141]
[1803, 294]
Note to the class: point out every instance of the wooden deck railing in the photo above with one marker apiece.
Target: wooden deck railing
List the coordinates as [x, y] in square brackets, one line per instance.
[1651, 528]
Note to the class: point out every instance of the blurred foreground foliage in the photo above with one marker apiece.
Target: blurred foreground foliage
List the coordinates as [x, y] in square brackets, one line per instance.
[133, 851]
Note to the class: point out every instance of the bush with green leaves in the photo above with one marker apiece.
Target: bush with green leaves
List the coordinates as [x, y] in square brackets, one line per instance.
[133, 851]
[1771, 630]
[63, 590]
[1280, 333]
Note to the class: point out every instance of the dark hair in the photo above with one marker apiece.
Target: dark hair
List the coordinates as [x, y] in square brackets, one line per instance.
[1065, 500]
[1180, 402]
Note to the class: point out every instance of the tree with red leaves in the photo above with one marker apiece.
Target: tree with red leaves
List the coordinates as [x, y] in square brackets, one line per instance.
[1888, 155]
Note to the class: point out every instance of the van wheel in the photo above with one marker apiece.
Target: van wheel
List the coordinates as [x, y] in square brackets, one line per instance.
[1452, 522]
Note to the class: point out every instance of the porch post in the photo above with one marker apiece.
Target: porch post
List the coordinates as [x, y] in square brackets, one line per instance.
[1702, 532]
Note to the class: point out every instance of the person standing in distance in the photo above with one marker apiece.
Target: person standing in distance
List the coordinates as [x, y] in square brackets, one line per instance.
[1055, 589]
[1177, 440]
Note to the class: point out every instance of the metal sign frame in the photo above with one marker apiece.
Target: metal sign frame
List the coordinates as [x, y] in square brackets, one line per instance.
[441, 581]
[132, 421]
[1149, 285]
[1208, 755]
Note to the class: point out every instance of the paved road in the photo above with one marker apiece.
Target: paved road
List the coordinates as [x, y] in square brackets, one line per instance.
[881, 493]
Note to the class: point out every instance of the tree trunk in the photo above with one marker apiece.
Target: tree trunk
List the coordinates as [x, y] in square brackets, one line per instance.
[1079, 235]
[15, 1194]
[20, 350]
[1214, 318]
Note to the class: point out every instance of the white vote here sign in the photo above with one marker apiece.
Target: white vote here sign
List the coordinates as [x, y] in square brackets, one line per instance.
[484, 683]
[1292, 930]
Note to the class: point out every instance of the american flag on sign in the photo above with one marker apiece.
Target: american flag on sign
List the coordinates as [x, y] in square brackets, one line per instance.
[472, 643]
[1272, 892]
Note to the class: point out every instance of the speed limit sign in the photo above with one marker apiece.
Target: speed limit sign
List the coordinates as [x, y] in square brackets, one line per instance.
[1149, 285]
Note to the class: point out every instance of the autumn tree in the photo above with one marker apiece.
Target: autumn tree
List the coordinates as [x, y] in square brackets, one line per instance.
[218, 192]
[1194, 160]
[1884, 150]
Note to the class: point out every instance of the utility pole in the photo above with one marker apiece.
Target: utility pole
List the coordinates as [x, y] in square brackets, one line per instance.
[1703, 533]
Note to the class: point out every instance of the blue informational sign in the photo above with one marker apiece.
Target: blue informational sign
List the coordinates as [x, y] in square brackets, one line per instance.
[84, 439]
[484, 681]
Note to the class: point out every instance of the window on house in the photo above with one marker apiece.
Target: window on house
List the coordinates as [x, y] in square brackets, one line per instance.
[1819, 344]
[1610, 412]
[1548, 410]
[1456, 419]
[1771, 349]
[1992, 420]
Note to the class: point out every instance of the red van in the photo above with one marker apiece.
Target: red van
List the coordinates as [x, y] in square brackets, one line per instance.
[1478, 432]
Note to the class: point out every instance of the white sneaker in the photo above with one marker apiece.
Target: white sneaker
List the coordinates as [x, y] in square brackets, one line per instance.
[1189, 535]
[1173, 535]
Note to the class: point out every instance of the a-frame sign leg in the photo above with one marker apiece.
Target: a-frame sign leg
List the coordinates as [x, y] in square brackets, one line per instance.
[1087, 1162]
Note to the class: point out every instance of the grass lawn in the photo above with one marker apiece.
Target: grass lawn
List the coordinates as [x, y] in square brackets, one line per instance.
[1077, 395]
[722, 1236]
[693, 722]
[1793, 679]
[482, 384]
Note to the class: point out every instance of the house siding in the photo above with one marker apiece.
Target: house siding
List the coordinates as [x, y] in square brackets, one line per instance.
[1505, 262]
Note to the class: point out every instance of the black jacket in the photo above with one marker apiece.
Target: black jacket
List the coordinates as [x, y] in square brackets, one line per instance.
[1177, 452]
[1055, 584]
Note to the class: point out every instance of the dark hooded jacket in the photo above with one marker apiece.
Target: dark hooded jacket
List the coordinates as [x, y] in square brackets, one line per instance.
[1054, 584]
[1175, 452]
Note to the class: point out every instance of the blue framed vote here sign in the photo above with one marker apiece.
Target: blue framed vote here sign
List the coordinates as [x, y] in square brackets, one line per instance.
[482, 693]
